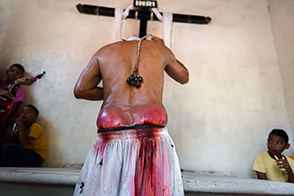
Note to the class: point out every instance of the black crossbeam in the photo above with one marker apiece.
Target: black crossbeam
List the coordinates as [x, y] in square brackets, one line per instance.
[143, 15]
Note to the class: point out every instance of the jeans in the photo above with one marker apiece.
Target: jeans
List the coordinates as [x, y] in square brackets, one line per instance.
[15, 155]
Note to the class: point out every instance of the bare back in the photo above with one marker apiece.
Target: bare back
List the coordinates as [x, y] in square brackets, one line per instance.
[124, 104]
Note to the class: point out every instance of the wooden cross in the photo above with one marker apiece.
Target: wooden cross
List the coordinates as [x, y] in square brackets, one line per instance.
[143, 14]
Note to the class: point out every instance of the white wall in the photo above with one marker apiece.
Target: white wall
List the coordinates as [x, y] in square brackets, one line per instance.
[282, 17]
[218, 121]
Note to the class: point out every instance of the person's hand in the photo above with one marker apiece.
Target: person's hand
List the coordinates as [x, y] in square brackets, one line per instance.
[4, 95]
[157, 39]
[26, 80]
[283, 163]
[10, 136]
[19, 122]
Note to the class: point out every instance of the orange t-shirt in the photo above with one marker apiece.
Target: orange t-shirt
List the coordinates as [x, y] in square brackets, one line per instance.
[38, 143]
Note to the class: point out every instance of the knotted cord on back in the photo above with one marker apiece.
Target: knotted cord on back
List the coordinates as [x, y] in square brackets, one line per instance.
[135, 78]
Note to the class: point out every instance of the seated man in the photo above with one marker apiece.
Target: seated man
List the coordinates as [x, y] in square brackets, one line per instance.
[133, 153]
[29, 150]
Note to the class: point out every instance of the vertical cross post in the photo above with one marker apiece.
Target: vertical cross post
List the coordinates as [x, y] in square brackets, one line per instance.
[143, 23]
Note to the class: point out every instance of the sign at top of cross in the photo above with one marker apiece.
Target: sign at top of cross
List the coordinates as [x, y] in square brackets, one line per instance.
[145, 3]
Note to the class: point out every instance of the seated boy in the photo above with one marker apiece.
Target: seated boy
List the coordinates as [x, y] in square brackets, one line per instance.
[14, 72]
[272, 164]
[14, 78]
[30, 149]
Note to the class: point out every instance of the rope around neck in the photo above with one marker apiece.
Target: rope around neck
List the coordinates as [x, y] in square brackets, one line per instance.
[135, 78]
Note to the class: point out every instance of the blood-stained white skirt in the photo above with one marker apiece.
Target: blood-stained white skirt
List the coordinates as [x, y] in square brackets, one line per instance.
[140, 161]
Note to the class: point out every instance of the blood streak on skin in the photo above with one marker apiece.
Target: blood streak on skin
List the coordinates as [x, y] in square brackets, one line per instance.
[114, 117]
[109, 118]
[156, 116]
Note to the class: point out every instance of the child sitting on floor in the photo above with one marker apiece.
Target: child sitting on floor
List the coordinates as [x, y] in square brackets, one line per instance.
[30, 148]
[272, 164]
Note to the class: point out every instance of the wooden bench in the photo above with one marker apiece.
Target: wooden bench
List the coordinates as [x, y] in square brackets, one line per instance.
[61, 181]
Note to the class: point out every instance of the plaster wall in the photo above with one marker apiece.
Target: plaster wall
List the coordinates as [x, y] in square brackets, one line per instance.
[282, 17]
[219, 121]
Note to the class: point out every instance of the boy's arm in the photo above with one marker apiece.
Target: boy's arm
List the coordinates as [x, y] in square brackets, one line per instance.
[259, 167]
[26, 80]
[24, 140]
[288, 169]
[291, 176]
[261, 176]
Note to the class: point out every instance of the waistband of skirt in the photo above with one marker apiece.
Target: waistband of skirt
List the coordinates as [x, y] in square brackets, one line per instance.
[138, 131]
[136, 126]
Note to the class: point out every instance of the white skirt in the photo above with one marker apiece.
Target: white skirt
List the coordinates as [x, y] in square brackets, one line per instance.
[134, 162]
